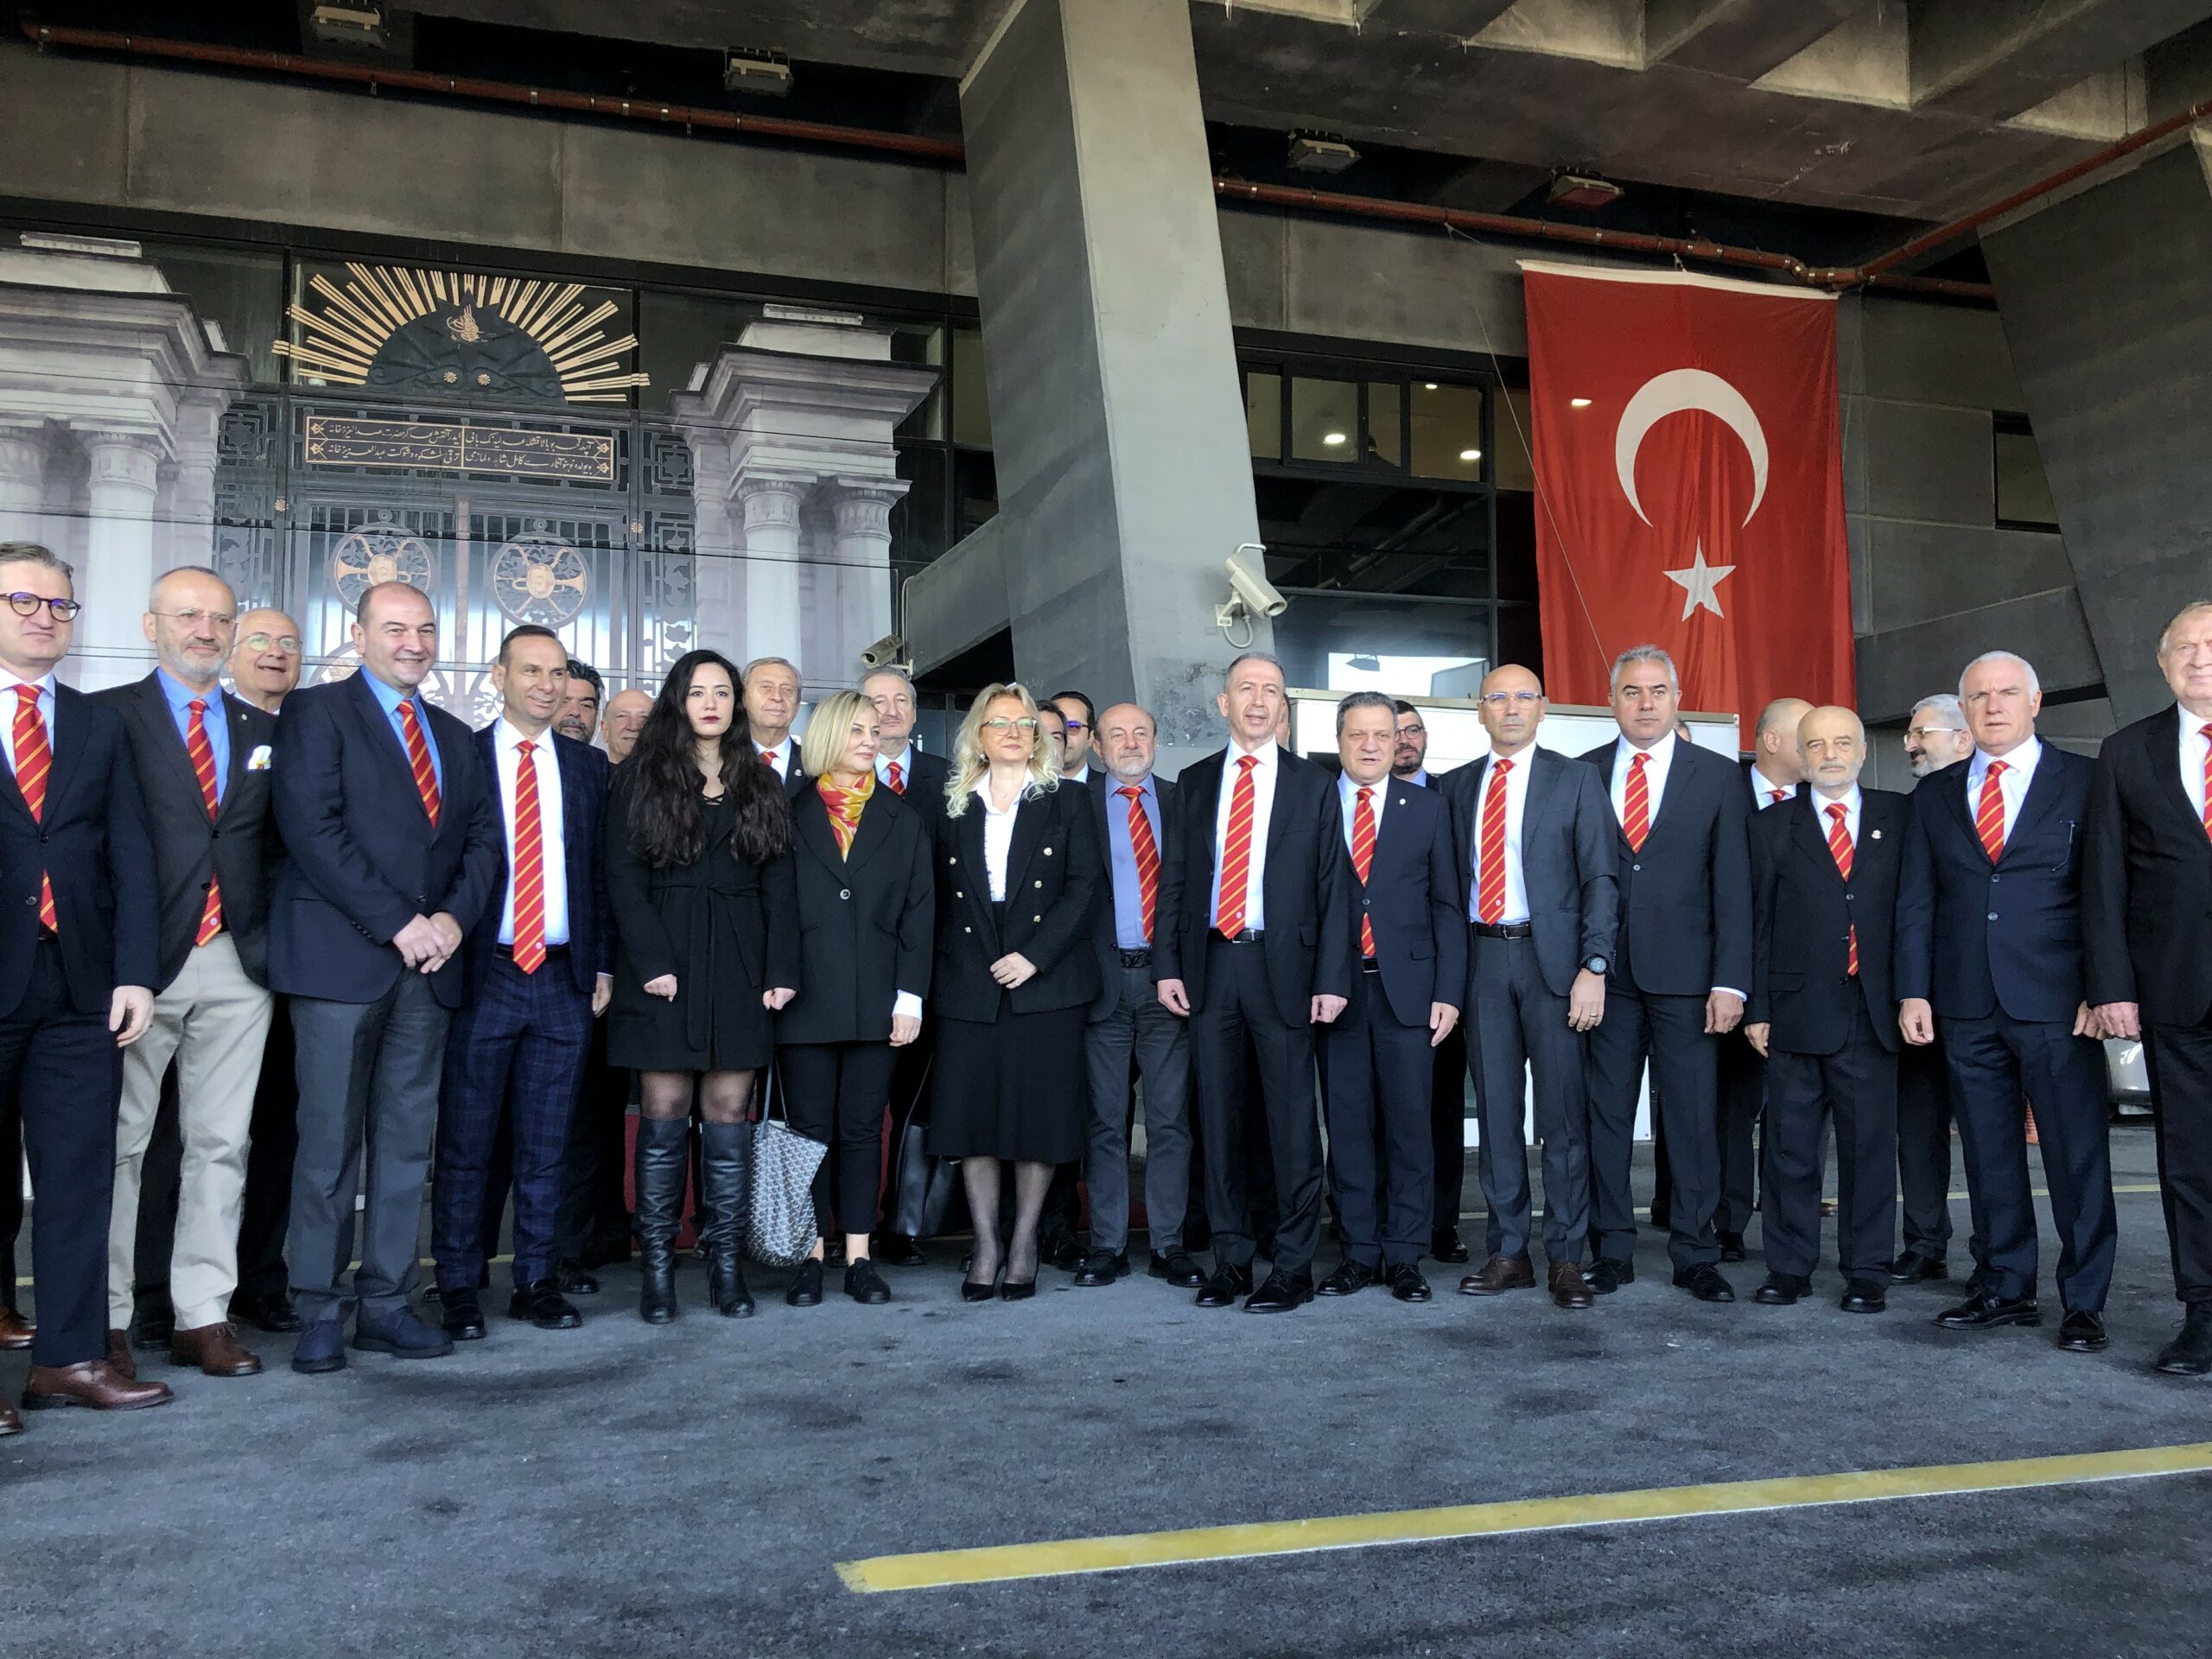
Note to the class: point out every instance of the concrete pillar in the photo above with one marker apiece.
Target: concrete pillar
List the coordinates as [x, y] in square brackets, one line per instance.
[717, 592]
[860, 610]
[771, 506]
[188, 506]
[1117, 411]
[22, 482]
[118, 570]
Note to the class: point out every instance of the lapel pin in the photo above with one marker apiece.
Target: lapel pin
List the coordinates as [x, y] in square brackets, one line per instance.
[1877, 834]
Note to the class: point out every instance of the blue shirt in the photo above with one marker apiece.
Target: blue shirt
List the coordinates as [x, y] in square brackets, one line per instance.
[9, 702]
[1129, 886]
[389, 700]
[216, 721]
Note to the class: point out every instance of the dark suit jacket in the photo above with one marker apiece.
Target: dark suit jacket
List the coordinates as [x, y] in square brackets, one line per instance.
[90, 841]
[1567, 858]
[1974, 940]
[1102, 785]
[926, 780]
[1802, 913]
[2146, 892]
[867, 920]
[1412, 901]
[1052, 883]
[1312, 936]
[240, 846]
[1686, 898]
[584, 775]
[361, 858]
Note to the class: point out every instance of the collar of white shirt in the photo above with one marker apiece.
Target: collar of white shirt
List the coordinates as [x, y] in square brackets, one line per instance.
[2021, 760]
[1265, 754]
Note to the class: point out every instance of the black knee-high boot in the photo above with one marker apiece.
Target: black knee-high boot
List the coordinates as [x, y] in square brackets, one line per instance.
[726, 1153]
[661, 1156]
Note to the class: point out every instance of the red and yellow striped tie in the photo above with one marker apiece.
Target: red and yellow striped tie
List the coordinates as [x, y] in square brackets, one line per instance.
[1839, 849]
[2205, 732]
[1989, 812]
[418, 757]
[530, 864]
[1147, 851]
[1489, 890]
[34, 761]
[897, 780]
[1362, 860]
[1635, 804]
[203, 767]
[1236, 849]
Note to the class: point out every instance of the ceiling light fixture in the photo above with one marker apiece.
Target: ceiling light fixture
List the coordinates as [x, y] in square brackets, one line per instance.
[1332, 437]
[1583, 191]
[1428, 386]
[766, 75]
[1321, 152]
[1471, 454]
[1578, 403]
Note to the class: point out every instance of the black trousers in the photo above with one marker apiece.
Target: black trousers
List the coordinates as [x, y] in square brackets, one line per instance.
[1858, 1086]
[1239, 1007]
[2180, 1059]
[837, 1093]
[1924, 1147]
[11, 1193]
[1670, 1031]
[1994, 1062]
[1377, 1081]
[267, 1208]
[594, 1218]
[1519, 1038]
[1448, 1123]
[66, 1074]
[1742, 1097]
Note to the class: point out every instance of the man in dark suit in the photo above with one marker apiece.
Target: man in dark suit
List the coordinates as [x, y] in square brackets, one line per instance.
[1989, 943]
[1542, 906]
[770, 694]
[536, 974]
[1376, 1078]
[1255, 944]
[2147, 897]
[78, 963]
[1681, 962]
[392, 848]
[1824, 882]
[203, 764]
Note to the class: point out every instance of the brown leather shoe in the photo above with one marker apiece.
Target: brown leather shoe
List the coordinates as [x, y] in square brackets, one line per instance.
[1569, 1288]
[15, 1331]
[1498, 1274]
[118, 1355]
[89, 1382]
[216, 1350]
[10, 1423]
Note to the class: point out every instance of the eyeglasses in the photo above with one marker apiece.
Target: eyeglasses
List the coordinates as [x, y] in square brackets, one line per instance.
[1077, 725]
[26, 605]
[1518, 699]
[259, 642]
[1000, 723]
[1924, 733]
[192, 616]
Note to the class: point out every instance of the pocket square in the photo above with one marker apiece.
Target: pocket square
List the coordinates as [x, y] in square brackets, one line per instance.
[259, 760]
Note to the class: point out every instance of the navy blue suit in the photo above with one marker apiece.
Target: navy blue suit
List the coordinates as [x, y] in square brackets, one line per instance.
[1997, 949]
[518, 1045]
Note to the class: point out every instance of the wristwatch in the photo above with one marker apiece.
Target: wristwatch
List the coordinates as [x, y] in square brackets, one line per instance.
[1597, 965]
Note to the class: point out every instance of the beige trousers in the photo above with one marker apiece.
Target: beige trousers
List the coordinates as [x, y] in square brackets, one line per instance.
[213, 1022]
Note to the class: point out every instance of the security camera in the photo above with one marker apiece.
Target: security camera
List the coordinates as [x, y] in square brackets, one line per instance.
[1247, 574]
[886, 652]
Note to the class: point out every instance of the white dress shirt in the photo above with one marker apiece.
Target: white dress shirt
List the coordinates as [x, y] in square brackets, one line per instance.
[785, 752]
[998, 836]
[2193, 745]
[1851, 805]
[904, 760]
[1516, 811]
[1348, 799]
[9, 703]
[1654, 773]
[2011, 782]
[1263, 806]
[505, 737]
[1763, 788]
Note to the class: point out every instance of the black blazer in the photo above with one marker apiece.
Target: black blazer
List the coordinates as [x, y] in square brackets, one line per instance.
[1102, 915]
[361, 860]
[2147, 879]
[1974, 940]
[1412, 901]
[90, 841]
[1052, 883]
[1802, 913]
[239, 845]
[1312, 937]
[925, 776]
[1567, 858]
[1686, 898]
[584, 776]
[866, 921]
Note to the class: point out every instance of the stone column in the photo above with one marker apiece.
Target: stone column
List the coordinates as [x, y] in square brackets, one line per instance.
[863, 609]
[22, 483]
[110, 647]
[189, 506]
[715, 588]
[769, 625]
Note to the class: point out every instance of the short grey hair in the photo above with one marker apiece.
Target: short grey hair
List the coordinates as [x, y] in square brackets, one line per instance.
[898, 674]
[2166, 633]
[746, 673]
[1944, 704]
[1244, 656]
[189, 570]
[1366, 700]
[2027, 668]
[39, 553]
[1645, 654]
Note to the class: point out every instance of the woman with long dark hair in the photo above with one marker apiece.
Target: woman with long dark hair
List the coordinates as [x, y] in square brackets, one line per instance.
[699, 871]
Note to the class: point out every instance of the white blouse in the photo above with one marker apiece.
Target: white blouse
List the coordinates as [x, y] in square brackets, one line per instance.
[998, 837]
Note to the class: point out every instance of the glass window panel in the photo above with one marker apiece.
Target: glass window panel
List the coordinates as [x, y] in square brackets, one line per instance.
[677, 333]
[974, 489]
[1513, 470]
[972, 396]
[2023, 492]
[1516, 544]
[1324, 420]
[1520, 638]
[1386, 442]
[1408, 648]
[1447, 430]
[1375, 536]
[1263, 413]
[922, 344]
[240, 290]
[919, 520]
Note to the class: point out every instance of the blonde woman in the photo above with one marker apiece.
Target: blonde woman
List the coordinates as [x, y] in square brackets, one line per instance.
[1017, 873]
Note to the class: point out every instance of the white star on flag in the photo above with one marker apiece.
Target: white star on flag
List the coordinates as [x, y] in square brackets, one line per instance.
[1700, 584]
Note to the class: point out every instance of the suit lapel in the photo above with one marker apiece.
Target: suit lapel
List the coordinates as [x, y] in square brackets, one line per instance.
[67, 741]
[976, 883]
[814, 833]
[1278, 820]
[2164, 757]
[2042, 789]
[383, 738]
[1805, 826]
[1205, 779]
[242, 747]
[875, 827]
[151, 709]
[1030, 828]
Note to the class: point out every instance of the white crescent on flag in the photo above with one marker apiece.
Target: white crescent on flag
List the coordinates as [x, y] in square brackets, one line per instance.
[1671, 393]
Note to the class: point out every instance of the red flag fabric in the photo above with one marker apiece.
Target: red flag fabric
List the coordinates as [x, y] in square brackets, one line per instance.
[1690, 485]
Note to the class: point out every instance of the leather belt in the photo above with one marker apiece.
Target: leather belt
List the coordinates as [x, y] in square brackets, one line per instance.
[1249, 936]
[1369, 965]
[507, 952]
[1139, 956]
[1505, 930]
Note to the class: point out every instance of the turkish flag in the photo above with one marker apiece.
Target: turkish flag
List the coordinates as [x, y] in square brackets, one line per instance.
[1690, 481]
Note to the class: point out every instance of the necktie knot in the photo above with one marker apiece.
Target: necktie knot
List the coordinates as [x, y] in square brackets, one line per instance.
[197, 705]
[1776, 796]
[1838, 810]
[1366, 794]
[768, 755]
[1997, 768]
[27, 695]
[524, 747]
[1129, 792]
[1504, 766]
[2205, 730]
[1637, 762]
[1249, 762]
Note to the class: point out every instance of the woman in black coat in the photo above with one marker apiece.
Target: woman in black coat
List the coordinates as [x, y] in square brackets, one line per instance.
[866, 910]
[699, 871]
[1017, 866]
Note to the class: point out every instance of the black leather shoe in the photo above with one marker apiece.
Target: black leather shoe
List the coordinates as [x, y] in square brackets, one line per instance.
[1446, 1246]
[1704, 1282]
[1011, 1290]
[2190, 1353]
[543, 1306]
[1407, 1284]
[1227, 1287]
[1102, 1267]
[865, 1284]
[1780, 1290]
[404, 1335]
[1178, 1270]
[270, 1311]
[1864, 1296]
[806, 1289]
[152, 1329]
[1731, 1248]
[463, 1318]
[573, 1280]
[1912, 1269]
[1349, 1280]
[1062, 1252]
[1608, 1273]
[1281, 1293]
[897, 1250]
[2083, 1332]
[1983, 1312]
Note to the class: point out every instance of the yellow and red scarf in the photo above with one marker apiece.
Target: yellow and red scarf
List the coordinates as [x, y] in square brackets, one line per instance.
[845, 808]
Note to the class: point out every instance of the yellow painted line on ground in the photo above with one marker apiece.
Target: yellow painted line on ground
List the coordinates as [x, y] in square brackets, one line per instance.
[937, 1569]
[423, 1262]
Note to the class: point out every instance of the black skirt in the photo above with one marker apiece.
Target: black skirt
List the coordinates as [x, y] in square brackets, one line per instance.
[1012, 1089]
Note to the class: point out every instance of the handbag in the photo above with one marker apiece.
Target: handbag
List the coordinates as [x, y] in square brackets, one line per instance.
[922, 1187]
[780, 1227]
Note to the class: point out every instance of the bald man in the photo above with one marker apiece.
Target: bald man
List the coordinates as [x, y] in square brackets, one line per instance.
[1825, 867]
[623, 719]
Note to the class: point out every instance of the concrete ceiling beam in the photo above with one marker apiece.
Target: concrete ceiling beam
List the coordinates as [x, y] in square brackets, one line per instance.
[1740, 39]
[1998, 59]
[1458, 18]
